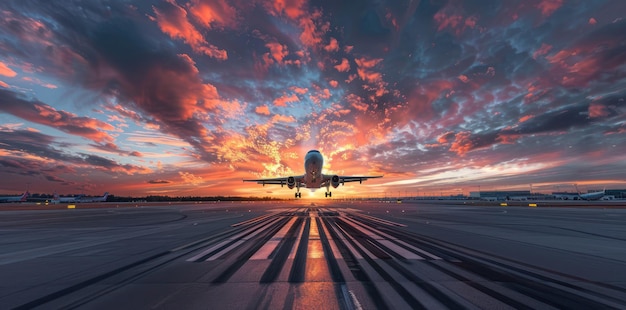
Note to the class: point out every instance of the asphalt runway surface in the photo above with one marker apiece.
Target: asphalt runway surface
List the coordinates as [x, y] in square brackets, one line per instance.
[313, 255]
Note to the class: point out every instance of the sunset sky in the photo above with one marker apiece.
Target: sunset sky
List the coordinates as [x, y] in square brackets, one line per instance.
[172, 97]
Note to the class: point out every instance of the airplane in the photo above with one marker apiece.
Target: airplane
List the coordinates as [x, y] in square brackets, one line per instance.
[592, 195]
[313, 177]
[79, 198]
[95, 199]
[21, 198]
[57, 199]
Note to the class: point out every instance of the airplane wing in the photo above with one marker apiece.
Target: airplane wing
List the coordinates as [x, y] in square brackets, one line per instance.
[278, 181]
[346, 179]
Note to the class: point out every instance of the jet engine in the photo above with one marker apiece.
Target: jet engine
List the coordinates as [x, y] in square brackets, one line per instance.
[291, 182]
[334, 181]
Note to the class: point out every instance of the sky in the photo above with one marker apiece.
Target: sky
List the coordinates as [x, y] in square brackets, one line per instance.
[173, 97]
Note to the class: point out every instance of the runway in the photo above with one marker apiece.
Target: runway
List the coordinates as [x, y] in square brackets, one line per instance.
[320, 255]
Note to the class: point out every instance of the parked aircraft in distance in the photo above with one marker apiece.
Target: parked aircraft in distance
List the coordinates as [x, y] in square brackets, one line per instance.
[313, 177]
[592, 195]
[58, 199]
[79, 198]
[95, 199]
[21, 198]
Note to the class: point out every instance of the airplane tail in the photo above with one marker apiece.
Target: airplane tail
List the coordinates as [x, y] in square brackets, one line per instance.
[24, 196]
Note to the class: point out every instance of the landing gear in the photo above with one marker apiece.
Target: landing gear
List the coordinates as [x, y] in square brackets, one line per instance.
[298, 195]
[328, 194]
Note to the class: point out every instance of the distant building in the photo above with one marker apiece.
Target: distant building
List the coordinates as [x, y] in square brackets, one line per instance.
[616, 193]
[501, 195]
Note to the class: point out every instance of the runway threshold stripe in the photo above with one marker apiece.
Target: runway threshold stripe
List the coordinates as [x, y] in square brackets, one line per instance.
[331, 260]
[226, 250]
[246, 253]
[299, 264]
[255, 220]
[257, 228]
[379, 220]
[399, 250]
[361, 228]
[392, 247]
[333, 245]
[282, 252]
[404, 244]
[208, 251]
[375, 265]
[269, 247]
[352, 259]
[349, 232]
[293, 252]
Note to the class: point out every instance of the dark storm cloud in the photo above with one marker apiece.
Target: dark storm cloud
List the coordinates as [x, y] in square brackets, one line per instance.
[555, 121]
[53, 178]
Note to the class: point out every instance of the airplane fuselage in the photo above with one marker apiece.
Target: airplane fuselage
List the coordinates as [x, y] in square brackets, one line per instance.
[313, 162]
[592, 196]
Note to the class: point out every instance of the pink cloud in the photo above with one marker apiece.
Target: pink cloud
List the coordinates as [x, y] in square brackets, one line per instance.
[364, 65]
[283, 118]
[525, 118]
[41, 113]
[446, 137]
[333, 83]
[597, 110]
[344, 66]
[313, 29]
[333, 46]
[548, 7]
[357, 102]
[263, 110]
[212, 13]
[278, 51]
[300, 90]
[292, 8]
[173, 21]
[462, 143]
[282, 101]
[6, 71]
[543, 50]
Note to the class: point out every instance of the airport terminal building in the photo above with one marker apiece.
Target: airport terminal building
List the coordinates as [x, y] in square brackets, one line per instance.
[500, 195]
